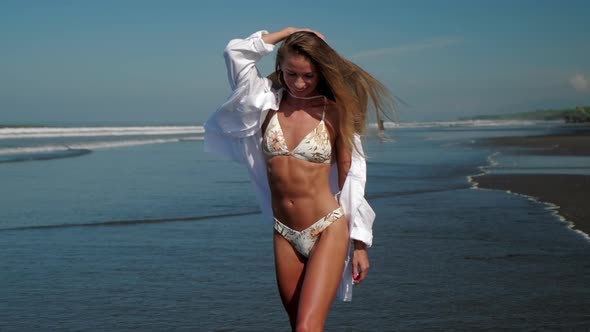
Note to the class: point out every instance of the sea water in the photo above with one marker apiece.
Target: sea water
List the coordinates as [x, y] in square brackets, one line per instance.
[137, 228]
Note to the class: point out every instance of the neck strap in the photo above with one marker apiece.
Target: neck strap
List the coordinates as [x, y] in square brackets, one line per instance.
[304, 98]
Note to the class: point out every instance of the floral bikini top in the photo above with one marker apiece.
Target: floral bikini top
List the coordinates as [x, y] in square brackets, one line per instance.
[314, 147]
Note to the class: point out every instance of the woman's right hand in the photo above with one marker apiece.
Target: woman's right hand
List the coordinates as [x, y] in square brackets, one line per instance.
[360, 262]
[278, 36]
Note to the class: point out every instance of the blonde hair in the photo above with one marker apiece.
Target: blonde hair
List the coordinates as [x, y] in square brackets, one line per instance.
[342, 81]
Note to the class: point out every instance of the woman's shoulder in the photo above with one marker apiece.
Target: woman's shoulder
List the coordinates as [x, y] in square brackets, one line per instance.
[332, 111]
[332, 116]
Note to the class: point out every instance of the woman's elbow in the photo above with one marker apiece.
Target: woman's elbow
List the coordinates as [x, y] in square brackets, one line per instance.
[344, 165]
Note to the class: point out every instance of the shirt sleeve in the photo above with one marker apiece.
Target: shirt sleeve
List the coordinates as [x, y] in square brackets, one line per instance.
[241, 56]
[232, 128]
[358, 211]
[352, 198]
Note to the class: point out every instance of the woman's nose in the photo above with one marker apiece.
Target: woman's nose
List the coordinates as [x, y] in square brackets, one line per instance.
[299, 83]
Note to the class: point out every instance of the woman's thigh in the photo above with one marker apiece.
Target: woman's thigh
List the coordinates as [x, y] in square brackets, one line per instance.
[323, 272]
[290, 267]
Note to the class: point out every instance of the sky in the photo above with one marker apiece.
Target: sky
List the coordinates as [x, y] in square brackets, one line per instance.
[160, 62]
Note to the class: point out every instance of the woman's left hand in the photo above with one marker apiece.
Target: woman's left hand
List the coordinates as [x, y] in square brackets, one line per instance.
[360, 262]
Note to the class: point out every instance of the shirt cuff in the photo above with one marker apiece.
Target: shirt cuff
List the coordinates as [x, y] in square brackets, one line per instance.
[362, 235]
[259, 45]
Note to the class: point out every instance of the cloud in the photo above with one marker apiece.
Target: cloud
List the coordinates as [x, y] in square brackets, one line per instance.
[580, 82]
[414, 47]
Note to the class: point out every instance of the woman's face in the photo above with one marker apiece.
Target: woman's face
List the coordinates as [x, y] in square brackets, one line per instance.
[300, 75]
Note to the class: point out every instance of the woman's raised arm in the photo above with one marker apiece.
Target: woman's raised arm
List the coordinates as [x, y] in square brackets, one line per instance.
[278, 36]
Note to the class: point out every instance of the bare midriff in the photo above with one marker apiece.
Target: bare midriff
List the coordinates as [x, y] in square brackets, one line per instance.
[300, 191]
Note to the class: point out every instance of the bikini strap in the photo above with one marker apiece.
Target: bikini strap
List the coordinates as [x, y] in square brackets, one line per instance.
[324, 111]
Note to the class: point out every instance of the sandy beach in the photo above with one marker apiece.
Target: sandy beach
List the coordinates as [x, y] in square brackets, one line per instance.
[569, 192]
[576, 143]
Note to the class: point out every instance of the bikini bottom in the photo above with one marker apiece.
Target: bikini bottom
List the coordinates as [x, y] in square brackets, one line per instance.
[303, 241]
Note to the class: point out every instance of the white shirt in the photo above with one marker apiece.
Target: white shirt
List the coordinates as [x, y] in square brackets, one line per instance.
[234, 132]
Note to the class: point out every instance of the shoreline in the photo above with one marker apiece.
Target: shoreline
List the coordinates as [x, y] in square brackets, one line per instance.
[574, 143]
[566, 194]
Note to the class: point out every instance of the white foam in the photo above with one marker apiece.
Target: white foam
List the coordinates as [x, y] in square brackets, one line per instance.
[553, 208]
[45, 132]
[92, 145]
[465, 123]
[485, 169]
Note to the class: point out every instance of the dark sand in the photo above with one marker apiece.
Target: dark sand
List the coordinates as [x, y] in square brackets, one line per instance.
[570, 192]
[575, 144]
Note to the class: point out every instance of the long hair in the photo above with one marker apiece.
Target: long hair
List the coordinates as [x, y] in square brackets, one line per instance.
[352, 89]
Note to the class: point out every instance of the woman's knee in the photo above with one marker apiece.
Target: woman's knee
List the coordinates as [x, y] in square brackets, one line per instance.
[307, 324]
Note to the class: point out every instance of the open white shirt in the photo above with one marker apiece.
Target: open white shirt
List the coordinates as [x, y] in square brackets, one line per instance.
[234, 132]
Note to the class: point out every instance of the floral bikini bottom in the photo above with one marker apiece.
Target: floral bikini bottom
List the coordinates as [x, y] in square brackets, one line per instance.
[303, 241]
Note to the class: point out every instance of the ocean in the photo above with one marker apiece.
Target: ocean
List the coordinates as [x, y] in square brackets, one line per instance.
[136, 228]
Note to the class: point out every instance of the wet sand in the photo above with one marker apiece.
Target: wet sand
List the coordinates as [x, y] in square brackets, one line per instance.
[571, 144]
[570, 192]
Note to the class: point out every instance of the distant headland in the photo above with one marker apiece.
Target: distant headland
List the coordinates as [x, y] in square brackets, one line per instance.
[580, 114]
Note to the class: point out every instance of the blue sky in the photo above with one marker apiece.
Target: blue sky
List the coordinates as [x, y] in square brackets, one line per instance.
[160, 62]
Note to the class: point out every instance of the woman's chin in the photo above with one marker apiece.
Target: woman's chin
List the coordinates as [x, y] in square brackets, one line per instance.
[301, 93]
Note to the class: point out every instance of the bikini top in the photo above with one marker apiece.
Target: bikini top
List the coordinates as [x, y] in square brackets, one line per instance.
[314, 147]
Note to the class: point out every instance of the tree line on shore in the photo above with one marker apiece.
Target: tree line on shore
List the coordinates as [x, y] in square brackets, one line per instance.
[579, 114]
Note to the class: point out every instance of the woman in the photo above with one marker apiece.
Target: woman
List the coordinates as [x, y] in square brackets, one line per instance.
[298, 134]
